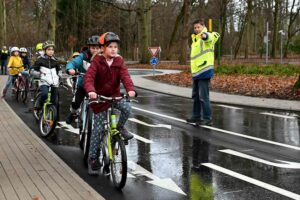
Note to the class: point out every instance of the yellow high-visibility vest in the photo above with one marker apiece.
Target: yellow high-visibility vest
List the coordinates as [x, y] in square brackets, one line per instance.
[202, 52]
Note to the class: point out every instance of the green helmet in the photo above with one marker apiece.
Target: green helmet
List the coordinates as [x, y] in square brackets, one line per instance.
[48, 44]
[39, 46]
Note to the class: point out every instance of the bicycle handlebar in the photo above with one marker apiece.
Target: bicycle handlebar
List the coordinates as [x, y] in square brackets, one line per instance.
[103, 99]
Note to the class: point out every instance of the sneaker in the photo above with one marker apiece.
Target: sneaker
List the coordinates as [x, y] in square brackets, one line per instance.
[71, 117]
[193, 120]
[125, 134]
[94, 166]
[205, 122]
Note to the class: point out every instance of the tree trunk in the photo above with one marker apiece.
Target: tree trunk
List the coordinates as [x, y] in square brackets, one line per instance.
[185, 33]
[52, 23]
[245, 22]
[18, 17]
[293, 16]
[175, 30]
[144, 27]
[275, 28]
[223, 20]
[2, 22]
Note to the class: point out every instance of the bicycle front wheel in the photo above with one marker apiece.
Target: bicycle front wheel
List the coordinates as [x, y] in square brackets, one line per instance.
[36, 106]
[48, 121]
[119, 162]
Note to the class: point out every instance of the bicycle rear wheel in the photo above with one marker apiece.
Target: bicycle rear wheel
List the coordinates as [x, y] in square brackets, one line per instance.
[119, 162]
[48, 121]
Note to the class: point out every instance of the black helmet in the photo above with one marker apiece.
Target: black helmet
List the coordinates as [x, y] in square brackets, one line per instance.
[93, 40]
[108, 37]
[48, 44]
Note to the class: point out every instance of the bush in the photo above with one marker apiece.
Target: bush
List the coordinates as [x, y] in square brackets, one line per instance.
[277, 69]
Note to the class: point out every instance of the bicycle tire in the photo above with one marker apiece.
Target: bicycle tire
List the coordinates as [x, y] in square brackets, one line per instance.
[17, 89]
[118, 180]
[48, 124]
[23, 92]
[81, 132]
[36, 104]
[87, 137]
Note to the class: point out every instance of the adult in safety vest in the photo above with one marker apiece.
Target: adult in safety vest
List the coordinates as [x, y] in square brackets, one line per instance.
[202, 68]
[3, 60]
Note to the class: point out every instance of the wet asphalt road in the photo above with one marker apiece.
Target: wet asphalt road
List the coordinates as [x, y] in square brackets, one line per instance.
[239, 160]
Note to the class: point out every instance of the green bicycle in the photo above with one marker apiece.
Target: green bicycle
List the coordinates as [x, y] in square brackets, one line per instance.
[112, 151]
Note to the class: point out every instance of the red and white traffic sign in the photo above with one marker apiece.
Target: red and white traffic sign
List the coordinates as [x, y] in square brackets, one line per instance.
[154, 50]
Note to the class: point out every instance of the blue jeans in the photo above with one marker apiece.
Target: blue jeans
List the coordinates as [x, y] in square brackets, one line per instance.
[200, 95]
[3, 67]
[44, 94]
[98, 125]
[11, 79]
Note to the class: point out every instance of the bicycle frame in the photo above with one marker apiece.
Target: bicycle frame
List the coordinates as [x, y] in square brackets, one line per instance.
[47, 102]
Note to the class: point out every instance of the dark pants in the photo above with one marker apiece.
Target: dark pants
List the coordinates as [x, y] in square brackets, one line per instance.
[44, 94]
[77, 99]
[3, 67]
[200, 95]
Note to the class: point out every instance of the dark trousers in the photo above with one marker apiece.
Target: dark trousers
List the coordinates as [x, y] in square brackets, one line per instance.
[77, 99]
[44, 94]
[200, 95]
[3, 67]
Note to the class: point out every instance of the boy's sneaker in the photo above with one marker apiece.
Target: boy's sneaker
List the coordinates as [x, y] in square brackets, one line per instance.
[193, 120]
[205, 122]
[125, 134]
[94, 166]
[71, 117]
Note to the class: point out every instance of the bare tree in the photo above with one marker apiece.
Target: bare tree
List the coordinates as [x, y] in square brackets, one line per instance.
[278, 4]
[292, 31]
[52, 21]
[2, 22]
[185, 33]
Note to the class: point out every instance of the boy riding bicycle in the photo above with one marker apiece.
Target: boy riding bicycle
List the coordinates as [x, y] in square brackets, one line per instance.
[81, 63]
[103, 78]
[49, 70]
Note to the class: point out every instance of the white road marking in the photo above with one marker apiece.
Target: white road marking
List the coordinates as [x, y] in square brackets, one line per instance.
[231, 107]
[150, 125]
[253, 138]
[253, 181]
[277, 115]
[221, 130]
[141, 138]
[68, 127]
[165, 183]
[283, 164]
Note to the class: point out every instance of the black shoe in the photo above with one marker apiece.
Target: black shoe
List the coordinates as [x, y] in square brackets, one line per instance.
[125, 134]
[94, 166]
[71, 117]
[193, 120]
[205, 122]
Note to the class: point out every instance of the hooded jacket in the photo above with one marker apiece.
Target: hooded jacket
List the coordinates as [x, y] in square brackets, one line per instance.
[49, 69]
[105, 80]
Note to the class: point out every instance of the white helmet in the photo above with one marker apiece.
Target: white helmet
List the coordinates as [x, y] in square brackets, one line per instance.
[14, 49]
[23, 50]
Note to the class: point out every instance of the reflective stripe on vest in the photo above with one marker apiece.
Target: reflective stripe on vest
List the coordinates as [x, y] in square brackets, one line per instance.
[205, 69]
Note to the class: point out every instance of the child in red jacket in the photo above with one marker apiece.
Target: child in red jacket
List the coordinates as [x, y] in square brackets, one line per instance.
[103, 78]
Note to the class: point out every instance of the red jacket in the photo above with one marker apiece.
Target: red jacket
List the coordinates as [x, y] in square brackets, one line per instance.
[105, 80]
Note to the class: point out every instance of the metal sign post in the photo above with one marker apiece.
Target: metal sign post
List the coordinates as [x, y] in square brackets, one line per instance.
[154, 60]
